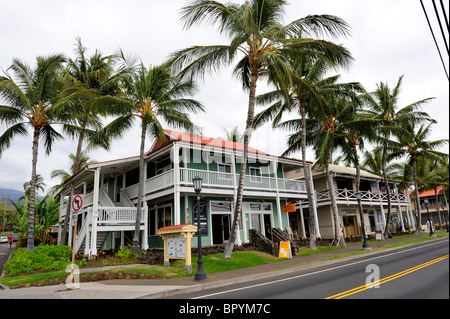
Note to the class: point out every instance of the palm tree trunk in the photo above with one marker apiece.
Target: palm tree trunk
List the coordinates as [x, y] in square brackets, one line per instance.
[30, 240]
[416, 196]
[388, 190]
[312, 217]
[137, 228]
[338, 240]
[240, 191]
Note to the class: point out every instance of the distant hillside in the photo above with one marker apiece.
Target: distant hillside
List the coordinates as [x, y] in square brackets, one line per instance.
[14, 195]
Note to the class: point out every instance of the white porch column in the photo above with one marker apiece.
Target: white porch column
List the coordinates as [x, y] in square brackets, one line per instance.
[95, 211]
[381, 207]
[314, 201]
[413, 219]
[301, 218]
[145, 234]
[399, 208]
[243, 222]
[274, 165]
[87, 240]
[176, 183]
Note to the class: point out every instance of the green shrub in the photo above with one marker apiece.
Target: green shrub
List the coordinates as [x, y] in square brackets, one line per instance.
[46, 258]
[22, 241]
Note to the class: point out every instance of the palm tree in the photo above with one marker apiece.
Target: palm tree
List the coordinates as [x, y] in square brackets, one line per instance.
[37, 99]
[152, 95]
[234, 135]
[258, 37]
[324, 127]
[95, 74]
[307, 76]
[412, 143]
[40, 185]
[64, 175]
[383, 105]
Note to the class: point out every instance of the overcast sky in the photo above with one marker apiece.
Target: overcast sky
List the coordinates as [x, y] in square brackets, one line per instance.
[389, 38]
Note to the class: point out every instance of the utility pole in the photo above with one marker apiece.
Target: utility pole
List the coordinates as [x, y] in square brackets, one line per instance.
[4, 216]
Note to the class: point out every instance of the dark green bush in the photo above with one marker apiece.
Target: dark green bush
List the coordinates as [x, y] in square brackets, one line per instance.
[22, 241]
[46, 258]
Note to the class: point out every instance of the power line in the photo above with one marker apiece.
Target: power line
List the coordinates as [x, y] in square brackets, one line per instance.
[440, 24]
[434, 38]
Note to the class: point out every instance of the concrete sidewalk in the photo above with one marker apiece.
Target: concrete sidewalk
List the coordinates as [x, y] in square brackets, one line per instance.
[146, 288]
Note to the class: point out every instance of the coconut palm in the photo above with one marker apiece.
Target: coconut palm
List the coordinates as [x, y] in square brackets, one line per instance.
[307, 77]
[40, 185]
[96, 74]
[152, 94]
[325, 127]
[412, 142]
[382, 104]
[260, 43]
[234, 135]
[37, 99]
[63, 175]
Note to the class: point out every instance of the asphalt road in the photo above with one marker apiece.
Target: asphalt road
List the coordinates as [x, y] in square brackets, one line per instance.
[4, 253]
[409, 273]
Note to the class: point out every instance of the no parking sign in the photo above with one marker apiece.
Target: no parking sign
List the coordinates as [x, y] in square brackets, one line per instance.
[77, 204]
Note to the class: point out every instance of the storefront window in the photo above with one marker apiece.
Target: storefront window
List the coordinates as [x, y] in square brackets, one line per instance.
[158, 218]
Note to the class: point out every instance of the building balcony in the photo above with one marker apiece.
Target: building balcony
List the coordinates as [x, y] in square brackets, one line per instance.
[217, 180]
[345, 196]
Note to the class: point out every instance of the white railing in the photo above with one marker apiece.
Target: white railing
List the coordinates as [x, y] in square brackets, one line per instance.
[366, 196]
[217, 180]
[225, 180]
[118, 215]
[152, 184]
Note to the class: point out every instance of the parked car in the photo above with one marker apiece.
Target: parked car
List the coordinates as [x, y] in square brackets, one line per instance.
[4, 239]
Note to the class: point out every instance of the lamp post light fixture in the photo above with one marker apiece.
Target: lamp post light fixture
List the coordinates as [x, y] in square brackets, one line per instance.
[432, 234]
[200, 275]
[364, 235]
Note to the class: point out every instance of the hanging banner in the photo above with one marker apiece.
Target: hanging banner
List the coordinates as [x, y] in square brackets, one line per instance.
[289, 208]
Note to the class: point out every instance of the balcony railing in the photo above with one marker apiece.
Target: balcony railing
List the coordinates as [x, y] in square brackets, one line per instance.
[251, 182]
[218, 180]
[366, 196]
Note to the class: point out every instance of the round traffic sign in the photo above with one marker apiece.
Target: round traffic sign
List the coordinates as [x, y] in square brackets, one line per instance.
[77, 203]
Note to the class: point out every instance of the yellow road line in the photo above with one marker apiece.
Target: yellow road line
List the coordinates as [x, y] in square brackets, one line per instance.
[387, 279]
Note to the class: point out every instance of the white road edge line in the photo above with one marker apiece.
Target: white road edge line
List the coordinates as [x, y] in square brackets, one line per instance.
[314, 273]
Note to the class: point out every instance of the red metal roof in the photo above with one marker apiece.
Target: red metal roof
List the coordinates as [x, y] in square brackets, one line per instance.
[209, 141]
[428, 192]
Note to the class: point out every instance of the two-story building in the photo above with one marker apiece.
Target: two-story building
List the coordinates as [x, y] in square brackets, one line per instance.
[109, 190]
[435, 203]
[373, 200]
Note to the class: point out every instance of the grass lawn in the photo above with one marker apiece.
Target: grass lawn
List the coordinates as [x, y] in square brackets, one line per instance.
[211, 264]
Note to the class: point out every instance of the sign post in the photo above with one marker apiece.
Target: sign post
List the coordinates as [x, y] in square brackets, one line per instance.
[177, 244]
[76, 206]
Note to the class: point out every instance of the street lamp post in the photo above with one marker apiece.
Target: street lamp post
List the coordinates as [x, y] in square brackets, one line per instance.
[432, 234]
[364, 235]
[200, 275]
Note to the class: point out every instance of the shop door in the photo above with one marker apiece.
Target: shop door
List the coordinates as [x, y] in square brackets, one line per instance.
[225, 228]
[349, 225]
[220, 228]
[267, 226]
